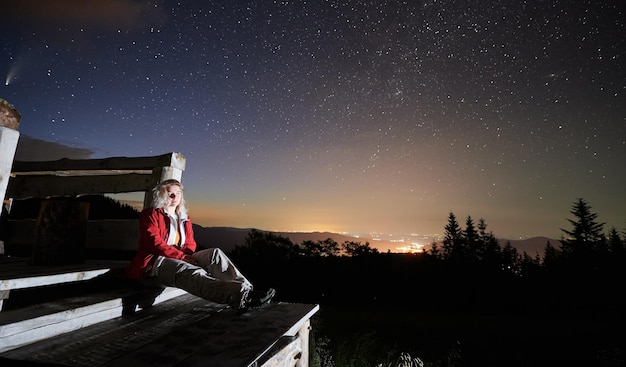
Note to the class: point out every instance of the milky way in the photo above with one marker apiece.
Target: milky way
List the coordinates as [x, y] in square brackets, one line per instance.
[347, 116]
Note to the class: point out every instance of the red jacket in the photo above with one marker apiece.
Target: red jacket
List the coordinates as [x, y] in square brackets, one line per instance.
[154, 225]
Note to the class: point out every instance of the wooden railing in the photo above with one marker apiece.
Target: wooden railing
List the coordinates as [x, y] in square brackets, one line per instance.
[72, 178]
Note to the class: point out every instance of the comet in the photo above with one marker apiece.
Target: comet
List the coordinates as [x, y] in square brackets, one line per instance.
[12, 74]
[9, 76]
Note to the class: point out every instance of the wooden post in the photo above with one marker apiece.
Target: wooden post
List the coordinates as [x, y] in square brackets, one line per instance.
[9, 136]
[160, 174]
[9, 123]
[61, 233]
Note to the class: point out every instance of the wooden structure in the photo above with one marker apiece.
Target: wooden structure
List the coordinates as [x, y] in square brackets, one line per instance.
[74, 177]
[89, 314]
[94, 328]
[9, 136]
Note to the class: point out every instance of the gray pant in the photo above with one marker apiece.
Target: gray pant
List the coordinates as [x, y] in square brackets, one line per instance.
[214, 278]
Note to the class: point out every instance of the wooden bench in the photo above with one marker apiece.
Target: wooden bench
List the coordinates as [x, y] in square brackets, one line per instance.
[16, 273]
[40, 321]
[72, 178]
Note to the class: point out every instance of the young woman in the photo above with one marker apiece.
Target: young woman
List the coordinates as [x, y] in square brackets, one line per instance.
[167, 254]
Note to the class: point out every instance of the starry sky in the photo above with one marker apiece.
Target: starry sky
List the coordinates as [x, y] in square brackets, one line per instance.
[346, 116]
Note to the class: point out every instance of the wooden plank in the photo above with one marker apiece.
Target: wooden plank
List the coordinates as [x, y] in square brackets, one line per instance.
[8, 143]
[21, 333]
[17, 274]
[26, 326]
[173, 159]
[23, 187]
[232, 341]
[41, 280]
[185, 331]
[289, 350]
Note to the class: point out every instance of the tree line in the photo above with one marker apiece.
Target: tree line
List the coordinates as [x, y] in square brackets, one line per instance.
[470, 259]
[471, 295]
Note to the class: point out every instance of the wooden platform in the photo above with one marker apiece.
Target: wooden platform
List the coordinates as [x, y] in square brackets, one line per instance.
[183, 331]
[99, 319]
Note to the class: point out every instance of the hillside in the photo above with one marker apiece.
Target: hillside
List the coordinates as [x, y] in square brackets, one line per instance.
[227, 237]
[532, 246]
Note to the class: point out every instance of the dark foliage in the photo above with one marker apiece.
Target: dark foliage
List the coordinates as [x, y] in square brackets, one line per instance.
[485, 303]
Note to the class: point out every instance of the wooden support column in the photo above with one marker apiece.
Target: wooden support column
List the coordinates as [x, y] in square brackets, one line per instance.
[9, 136]
[160, 174]
[8, 144]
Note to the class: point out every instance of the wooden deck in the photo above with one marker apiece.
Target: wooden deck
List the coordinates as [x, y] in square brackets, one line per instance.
[96, 319]
[185, 330]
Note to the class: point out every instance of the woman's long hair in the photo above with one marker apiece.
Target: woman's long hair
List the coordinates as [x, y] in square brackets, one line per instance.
[159, 196]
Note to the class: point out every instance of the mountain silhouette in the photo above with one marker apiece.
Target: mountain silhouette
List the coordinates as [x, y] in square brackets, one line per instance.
[227, 238]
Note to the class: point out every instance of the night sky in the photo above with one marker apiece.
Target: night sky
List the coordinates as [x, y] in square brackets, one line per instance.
[342, 116]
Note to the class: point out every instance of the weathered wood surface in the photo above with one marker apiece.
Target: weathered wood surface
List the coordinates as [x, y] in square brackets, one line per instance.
[73, 177]
[183, 331]
[30, 324]
[175, 160]
[8, 143]
[24, 187]
[89, 330]
[16, 273]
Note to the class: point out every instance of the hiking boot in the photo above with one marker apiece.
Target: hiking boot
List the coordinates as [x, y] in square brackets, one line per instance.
[260, 298]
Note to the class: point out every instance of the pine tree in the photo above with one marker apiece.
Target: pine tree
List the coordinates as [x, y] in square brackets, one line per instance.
[616, 250]
[586, 235]
[471, 250]
[490, 252]
[452, 238]
[511, 259]
[616, 245]
[434, 250]
[551, 256]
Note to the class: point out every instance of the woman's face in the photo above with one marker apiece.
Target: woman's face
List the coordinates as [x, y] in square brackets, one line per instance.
[174, 195]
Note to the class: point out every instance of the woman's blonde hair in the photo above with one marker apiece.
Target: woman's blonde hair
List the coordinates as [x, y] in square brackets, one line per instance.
[160, 198]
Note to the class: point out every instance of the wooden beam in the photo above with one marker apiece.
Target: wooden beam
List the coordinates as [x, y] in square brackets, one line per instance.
[23, 187]
[176, 160]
